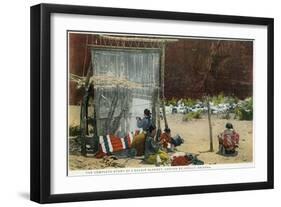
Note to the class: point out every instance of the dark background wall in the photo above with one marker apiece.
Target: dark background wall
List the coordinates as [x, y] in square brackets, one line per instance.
[193, 67]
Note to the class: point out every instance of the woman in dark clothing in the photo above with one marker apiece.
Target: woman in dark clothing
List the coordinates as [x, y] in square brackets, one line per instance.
[152, 152]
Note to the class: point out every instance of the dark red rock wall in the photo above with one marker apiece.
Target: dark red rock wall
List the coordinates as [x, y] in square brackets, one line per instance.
[193, 67]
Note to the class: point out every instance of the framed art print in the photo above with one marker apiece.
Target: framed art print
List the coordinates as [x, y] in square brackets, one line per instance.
[132, 103]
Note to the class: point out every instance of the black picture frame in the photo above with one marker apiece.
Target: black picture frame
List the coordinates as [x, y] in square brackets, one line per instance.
[41, 96]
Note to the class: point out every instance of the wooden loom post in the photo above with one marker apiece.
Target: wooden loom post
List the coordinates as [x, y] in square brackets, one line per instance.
[154, 105]
[163, 48]
[84, 113]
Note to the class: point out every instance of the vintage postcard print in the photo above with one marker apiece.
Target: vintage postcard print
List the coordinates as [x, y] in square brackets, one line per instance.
[143, 103]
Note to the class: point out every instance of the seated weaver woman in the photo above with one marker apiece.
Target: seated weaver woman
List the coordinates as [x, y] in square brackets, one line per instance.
[152, 152]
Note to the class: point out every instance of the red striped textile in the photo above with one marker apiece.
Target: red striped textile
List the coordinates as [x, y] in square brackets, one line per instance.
[112, 143]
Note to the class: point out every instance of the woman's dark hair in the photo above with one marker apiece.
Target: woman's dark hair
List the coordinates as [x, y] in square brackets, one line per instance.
[146, 112]
[167, 130]
[229, 126]
[151, 128]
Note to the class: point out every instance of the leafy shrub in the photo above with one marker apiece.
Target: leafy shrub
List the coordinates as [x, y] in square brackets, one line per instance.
[74, 131]
[218, 99]
[189, 102]
[244, 110]
[172, 101]
[192, 115]
[231, 100]
[74, 146]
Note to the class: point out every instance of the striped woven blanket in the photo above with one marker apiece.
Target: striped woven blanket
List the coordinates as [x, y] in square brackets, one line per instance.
[112, 143]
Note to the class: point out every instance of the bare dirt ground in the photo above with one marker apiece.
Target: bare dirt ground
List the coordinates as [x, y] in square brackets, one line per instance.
[195, 134]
